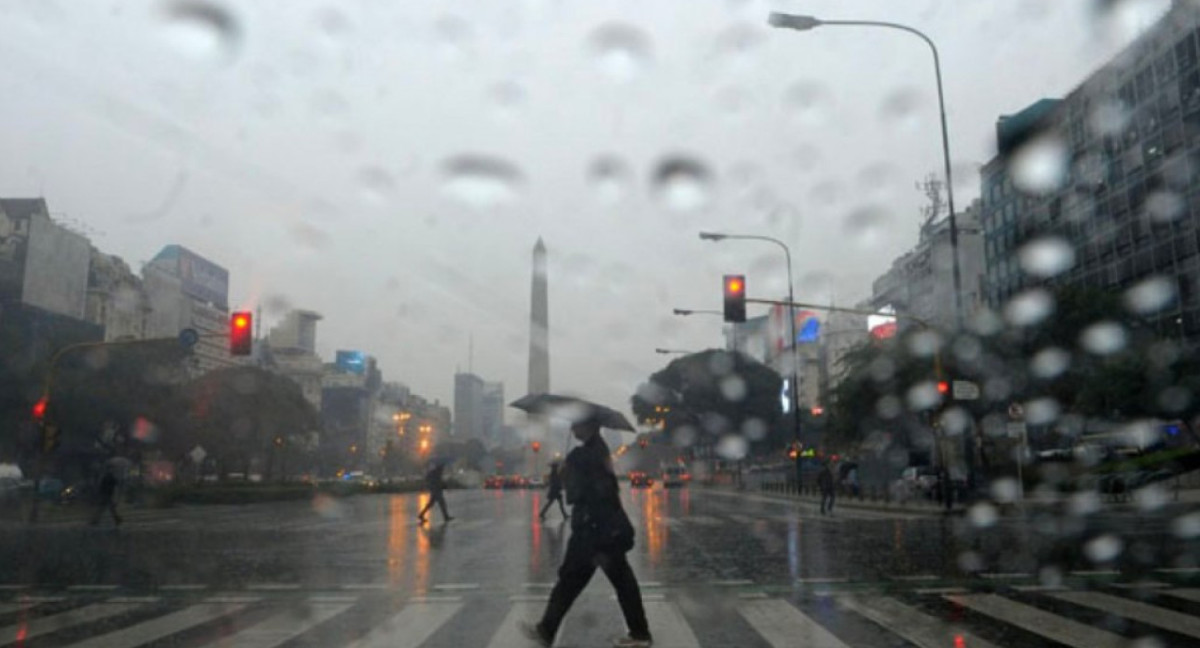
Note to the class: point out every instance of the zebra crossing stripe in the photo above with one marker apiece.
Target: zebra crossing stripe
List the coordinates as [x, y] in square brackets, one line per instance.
[161, 627]
[1136, 610]
[45, 625]
[916, 627]
[1039, 622]
[784, 626]
[284, 626]
[1187, 594]
[508, 635]
[669, 628]
[411, 626]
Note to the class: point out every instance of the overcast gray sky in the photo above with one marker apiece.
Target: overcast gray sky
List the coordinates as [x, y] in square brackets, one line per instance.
[391, 165]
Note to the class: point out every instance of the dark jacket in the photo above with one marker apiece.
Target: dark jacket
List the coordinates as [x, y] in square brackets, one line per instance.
[555, 485]
[825, 480]
[434, 478]
[592, 489]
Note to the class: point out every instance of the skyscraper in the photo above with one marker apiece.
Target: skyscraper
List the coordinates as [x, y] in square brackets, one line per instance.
[539, 325]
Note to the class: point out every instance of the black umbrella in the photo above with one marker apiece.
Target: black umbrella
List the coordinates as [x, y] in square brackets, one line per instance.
[573, 409]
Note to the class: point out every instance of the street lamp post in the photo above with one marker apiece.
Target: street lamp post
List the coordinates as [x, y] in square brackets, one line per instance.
[684, 312]
[795, 386]
[662, 351]
[806, 23]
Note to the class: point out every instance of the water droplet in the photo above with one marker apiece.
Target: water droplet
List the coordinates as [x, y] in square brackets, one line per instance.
[683, 436]
[1109, 118]
[309, 236]
[902, 105]
[1005, 490]
[202, 31]
[455, 36]
[481, 181]
[377, 184]
[1103, 338]
[1083, 503]
[925, 343]
[867, 225]
[755, 429]
[1123, 20]
[610, 178]
[1050, 363]
[967, 348]
[882, 369]
[683, 184]
[1040, 166]
[1103, 548]
[329, 103]
[277, 304]
[1029, 308]
[507, 96]
[721, 364]
[806, 157]
[807, 100]
[923, 396]
[1174, 399]
[1091, 170]
[983, 515]
[889, 407]
[733, 388]
[1042, 411]
[1047, 256]
[1150, 498]
[970, 561]
[1150, 295]
[877, 177]
[733, 101]
[622, 51]
[732, 447]
[1165, 206]
[333, 23]
[737, 43]
[1186, 526]
[826, 193]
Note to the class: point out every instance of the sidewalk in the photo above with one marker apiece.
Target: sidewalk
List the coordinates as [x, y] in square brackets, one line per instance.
[911, 507]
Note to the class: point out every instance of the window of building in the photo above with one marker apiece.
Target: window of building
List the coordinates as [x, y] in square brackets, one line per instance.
[1145, 83]
[1164, 68]
[1185, 53]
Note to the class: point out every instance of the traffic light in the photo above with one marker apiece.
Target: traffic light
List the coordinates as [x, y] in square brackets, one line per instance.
[241, 333]
[818, 410]
[50, 438]
[537, 446]
[39, 410]
[943, 387]
[735, 298]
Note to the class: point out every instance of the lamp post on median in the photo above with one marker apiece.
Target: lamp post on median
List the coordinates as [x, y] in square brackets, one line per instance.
[662, 351]
[807, 23]
[684, 312]
[795, 386]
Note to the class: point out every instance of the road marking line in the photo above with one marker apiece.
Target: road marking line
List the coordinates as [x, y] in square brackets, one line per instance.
[914, 577]
[1178, 570]
[456, 587]
[91, 588]
[668, 627]
[55, 622]
[1095, 572]
[823, 581]
[333, 598]
[941, 591]
[645, 584]
[43, 599]
[539, 585]
[366, 586]
[135, 599]
[13, 587]
[183, 588]
[1140, 585]
[273, 587]
[508, 634]
[284, 626]
[435, 599]
[231, 599]
[1136, 610]
[753, 595]
[1187, 594]
[529, 598]
[784, 626]
[734, 582]
[411, 626]
[917, 627]
[1039, 588]
[1005, 576]
[1040, 622]
[161, 627]
[645, 597]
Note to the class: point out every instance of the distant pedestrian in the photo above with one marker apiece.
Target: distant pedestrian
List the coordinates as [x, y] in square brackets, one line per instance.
[554, 493]
[825, 485]
[437, 495]
[106, 497]
[601, 534]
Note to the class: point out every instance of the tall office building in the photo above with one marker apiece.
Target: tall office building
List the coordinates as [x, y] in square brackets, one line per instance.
[539, 325]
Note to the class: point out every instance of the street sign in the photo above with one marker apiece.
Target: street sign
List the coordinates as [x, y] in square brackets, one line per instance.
[1015, 429]
[966, 390]
[197, 454]
[188, 338]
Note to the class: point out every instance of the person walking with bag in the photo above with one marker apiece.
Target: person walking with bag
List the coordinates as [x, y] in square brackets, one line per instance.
[554, 493]
[825, 485]
[437, 495]
[601, 534]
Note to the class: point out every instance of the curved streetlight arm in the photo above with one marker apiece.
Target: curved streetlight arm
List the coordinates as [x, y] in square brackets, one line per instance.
[804, 23]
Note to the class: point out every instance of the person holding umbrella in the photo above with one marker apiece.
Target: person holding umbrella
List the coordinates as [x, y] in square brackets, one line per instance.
[437, 487]
[601, 532]
[554, 493]
[106, 495]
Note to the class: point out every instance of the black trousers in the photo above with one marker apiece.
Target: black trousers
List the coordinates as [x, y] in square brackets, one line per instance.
[106, 504]
[439, 498]
[827, 498]
[551, 498]
[578, 566]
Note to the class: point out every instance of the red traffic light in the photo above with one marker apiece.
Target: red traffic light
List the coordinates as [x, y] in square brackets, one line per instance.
[943, 387]
[735, 298]
[241, 333]
[818, 410]
[537, 446]
[39, 409]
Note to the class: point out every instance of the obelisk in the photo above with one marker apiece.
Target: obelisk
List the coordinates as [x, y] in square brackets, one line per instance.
[539, 325]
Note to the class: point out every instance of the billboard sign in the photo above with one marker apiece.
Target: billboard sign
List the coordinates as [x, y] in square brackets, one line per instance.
[882, 325]
[354, 362]
[808, 327]
[200, 278]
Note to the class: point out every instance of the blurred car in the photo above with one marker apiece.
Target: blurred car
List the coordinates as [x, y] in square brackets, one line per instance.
[515, 481]
[640, 480]
[51, 489]
[493, 482]
[10, 488]
[536, 482]
[674, 477]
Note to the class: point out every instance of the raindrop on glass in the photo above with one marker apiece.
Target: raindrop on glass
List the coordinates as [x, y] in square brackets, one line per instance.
[377, 184]
[983, 515]
[1040, 166]
[901, 106]
[1109, 118]
[1050, 363]
[1150, 498]
[1103, 548]
[807, 100]
[1165, 206]
[1029, 308]
[202, 31]
[889, 407]
[683, 436]
[610, 178]
[1005, 490]
[755, 429]
[732, 447]
[1186, 526]
[1175, 399]
[1083, 503]
[923, 396]
[276, 304]
[1150, 295]
[621, 51]
[1042, 411]
[481, 181]
[1047, 256]
[806, 157]
[733, 388]
[866, 226]
[683, 184]
[925, 343]
[1103, 338]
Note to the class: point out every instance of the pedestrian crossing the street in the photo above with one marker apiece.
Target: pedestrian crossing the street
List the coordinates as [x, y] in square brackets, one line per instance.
[264, 618]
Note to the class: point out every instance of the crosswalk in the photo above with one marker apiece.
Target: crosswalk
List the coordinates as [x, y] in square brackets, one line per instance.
[1107, 616]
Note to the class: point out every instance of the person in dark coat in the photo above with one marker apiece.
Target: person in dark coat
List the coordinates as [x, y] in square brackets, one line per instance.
[437, 495]
[554, 493]
[106, 497]
[601, 534]
[825, 485]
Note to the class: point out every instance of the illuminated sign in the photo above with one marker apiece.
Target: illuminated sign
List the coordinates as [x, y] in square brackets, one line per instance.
[882, 325]
[354, 362]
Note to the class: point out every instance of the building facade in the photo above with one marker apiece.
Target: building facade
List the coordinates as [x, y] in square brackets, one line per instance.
[116, 299]
[1128, 205]
[290, 349]
[42, 263]
[186, 290]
